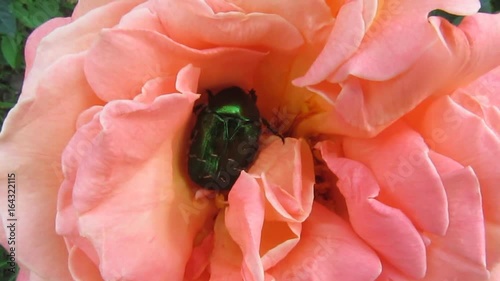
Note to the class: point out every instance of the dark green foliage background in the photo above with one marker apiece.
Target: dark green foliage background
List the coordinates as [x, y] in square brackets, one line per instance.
[19, 17]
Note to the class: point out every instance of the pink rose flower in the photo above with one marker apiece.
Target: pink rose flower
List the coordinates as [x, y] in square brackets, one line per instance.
[389, 170]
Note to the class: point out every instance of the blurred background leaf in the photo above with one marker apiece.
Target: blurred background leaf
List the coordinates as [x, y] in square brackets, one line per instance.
[7, 19]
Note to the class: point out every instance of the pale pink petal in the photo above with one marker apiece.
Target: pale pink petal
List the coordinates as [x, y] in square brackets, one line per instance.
[141, 18]
[186, 79]
[221, 6]
[444, 164]
[364, 108]
[460, 254]
[389, 273]
[384, 228]
[309, 17]
[26, 275]
[481, 98]
[344, 39]
[287, 176]
[261, 31]
[81, 267]
[71, 39]
[483, 34]
[103, 170]
[328, 250]
[451, 130]
[31, 142]
[23, 275]
[385, 47]
[200, 259]
[37, 35]
[85, 6]
[493, 250]
[226, 260]
[121, 62]
[244, 220]
[398, 158]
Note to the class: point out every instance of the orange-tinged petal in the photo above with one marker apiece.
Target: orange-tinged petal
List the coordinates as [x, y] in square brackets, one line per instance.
[460, 254]
[481, 98]
[309, 17]
[384, 228]
[132, 152]
[451, 130]
[200, 259]
[206, 29]
[287, 176]
[81, 267]
[142, 17]
[85, 6]
[328, 250]
[483, 35]
[244, 220]
[227, 257]
[267, 206]
[121, 62]
[71, 39]
[37, 35]
[31, 142]
[492, 250]
[364, 108]
[398, 158]
[386, 50]
[343, 41]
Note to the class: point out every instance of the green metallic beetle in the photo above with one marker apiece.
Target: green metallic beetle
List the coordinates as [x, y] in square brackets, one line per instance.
[225, 138]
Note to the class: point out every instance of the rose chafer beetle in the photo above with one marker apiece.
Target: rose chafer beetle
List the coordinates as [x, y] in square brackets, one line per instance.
[225, 138]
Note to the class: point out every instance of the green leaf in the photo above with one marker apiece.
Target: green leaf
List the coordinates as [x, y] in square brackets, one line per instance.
[6, 105]
[10, 50]
[486, 6]
[7, 19]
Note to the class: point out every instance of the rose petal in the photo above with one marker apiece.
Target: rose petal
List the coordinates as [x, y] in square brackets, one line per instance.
[233, 29]
[71, 39]
[492, 250]
[309, 17]
[343, 41]
[110, 170]
[385, 229]
[364, 108]
[480, 97]
[227, 257]
[37, 35]
[449, 129]
[81, 267]
[483, 34]
[408, 180]
[140, 55]
[460, 254]
[200, 259]
[385, 47]
[32, 139]
[244, 220]
[290, 197]
[143, 18]
[328, 250]
[85, 6]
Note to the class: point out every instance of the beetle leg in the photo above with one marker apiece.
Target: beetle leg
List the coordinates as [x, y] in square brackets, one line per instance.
[266, 123]
[220, 201]
[253, 95]
[198, 108]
